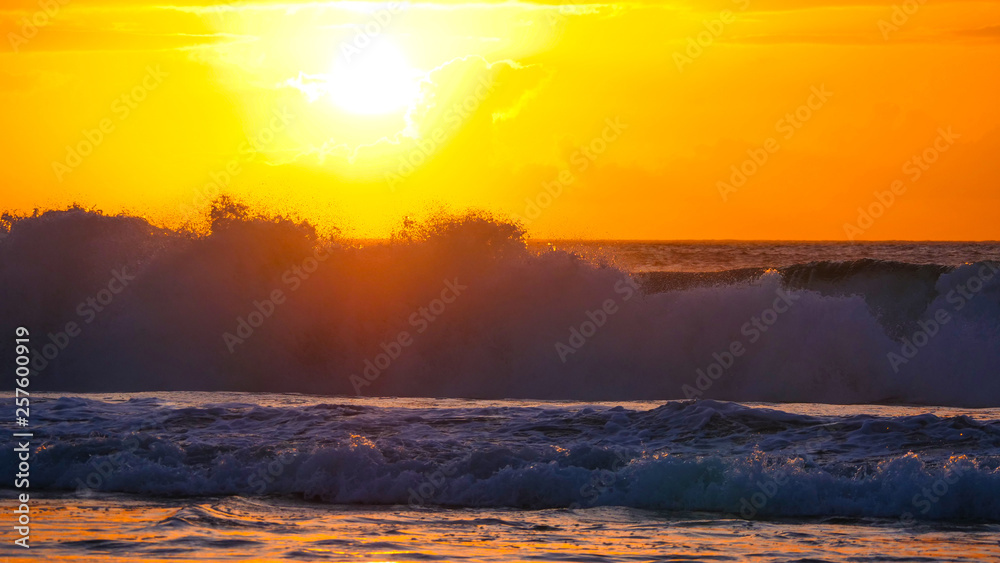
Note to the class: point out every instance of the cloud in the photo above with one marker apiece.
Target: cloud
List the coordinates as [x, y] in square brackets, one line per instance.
[312, 86]
[989, 32]
[132, 28]
[903, 36]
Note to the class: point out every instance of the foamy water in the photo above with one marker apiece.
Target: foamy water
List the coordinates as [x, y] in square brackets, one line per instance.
[212, 476]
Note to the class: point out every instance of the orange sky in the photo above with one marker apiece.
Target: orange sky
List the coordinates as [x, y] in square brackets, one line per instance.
[622, 120]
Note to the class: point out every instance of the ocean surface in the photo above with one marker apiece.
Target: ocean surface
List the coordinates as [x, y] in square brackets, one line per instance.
[285, 477]
[719, 256]
[261, 392]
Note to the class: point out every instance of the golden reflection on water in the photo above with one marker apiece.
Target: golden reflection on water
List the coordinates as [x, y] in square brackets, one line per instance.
[127, 529]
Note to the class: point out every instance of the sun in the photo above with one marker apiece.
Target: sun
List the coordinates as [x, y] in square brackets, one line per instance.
[377, 80]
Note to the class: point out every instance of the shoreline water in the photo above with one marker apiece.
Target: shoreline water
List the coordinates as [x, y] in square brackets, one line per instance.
[179, 476]
[118, 528]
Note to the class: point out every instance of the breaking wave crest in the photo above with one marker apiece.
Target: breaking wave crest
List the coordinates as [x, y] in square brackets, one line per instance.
[460, 306]
[685, 456]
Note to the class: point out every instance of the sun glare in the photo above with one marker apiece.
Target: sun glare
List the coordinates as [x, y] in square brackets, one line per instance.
[377, 81]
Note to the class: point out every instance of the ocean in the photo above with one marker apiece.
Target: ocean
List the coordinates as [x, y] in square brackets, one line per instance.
[189, 476]
[262, 394]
